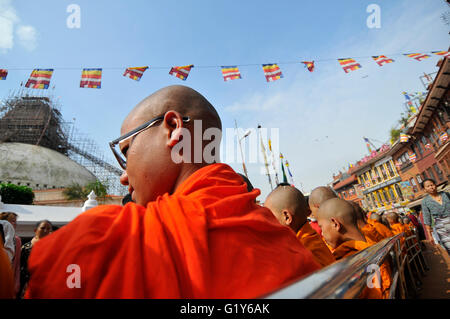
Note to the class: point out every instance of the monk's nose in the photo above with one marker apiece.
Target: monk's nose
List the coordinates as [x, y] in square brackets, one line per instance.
[124, 178]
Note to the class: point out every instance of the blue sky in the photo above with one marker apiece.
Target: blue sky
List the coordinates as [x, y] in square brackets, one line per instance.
[321, 116]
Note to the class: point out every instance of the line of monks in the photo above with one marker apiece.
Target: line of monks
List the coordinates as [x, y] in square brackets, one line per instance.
[193, 228]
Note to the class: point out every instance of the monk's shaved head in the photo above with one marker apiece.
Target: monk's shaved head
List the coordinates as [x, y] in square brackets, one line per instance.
[376, 217]
[288, 200]
[392, 218]
[321, 194]
[339, 209]
[185, 139]
[359, 213]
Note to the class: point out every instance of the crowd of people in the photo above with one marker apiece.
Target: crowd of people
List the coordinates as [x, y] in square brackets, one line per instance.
[193, 229]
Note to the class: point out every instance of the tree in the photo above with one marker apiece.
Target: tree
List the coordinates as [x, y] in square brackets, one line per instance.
[15, 194]
[395, 134]
[76, 191]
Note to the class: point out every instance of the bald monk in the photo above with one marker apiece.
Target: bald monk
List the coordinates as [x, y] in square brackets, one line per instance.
[339, 225]
[192, 231]
[6, 273]
[394, 224]
[367, 229]
[318, 196]
[375, 221]
[289, 206]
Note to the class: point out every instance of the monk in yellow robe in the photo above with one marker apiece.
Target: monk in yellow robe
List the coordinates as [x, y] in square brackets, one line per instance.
[193, 229]
[367, 229]
[289, 206]
[383, 230]
[338, 221]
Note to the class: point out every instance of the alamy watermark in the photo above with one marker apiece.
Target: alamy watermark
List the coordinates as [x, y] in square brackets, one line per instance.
[374, 19]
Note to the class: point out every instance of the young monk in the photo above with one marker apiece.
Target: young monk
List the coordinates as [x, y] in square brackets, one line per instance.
[193, 229]
[318, 196]
[375, 221]
[289, 206]
[338, 221]
[394, 223]
[367, 229]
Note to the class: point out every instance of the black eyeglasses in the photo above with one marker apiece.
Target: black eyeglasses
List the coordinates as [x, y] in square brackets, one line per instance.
[118, 154]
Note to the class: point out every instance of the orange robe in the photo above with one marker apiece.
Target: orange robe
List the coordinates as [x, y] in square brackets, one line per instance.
[397, 228]
[351, 247]
[209, 239]
[315, 225]
[381, 228]
[6, 275]
[371, 234]
[315, 244]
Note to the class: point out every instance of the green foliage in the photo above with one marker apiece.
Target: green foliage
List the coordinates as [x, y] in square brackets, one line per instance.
[395, 134]
[76, 191]
[15, 194]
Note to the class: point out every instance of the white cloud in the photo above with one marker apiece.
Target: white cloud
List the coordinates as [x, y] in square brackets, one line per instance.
[9, 21]
[324, 115]
[27, 37]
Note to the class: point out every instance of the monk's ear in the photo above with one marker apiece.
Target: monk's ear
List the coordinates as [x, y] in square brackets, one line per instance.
[287, 217]
[337, 226]
[173, 123]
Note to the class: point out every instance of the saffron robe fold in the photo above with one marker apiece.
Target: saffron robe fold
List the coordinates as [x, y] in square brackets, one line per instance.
[315, 225]
[381, 229]
[315, 244]
[6, 275]
[209, 239]
[371, 233]
[351, 247]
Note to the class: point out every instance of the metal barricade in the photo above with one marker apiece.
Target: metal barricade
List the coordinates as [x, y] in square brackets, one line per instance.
[347, 278]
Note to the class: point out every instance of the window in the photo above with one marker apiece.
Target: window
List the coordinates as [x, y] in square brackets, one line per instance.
[438, 172]
[430, 173]
[399, 192]
[363, 180]
[373, 199]
[379, 198]
[424, 140]
[383, 172]
[419, 180]
[386, 195]
[419, 147]
[368, 176]
[391, 193]
[377, 174]
[389, 166]
[413, 184]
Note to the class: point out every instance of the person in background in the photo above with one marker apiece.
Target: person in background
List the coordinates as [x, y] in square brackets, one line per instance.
[12, 218]
[9, 233]
[436, 213]
[318, 196]
[42, 229]
[382, 229]
[6, 273]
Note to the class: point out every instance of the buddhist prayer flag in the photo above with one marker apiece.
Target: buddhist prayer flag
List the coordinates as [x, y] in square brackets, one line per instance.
[445, 54]
[417, 56]
[349, 64]
[428, 146]
[3, 74]
[381, 59]
[285, 180]
[398, 164]
[39, 79]
[406, 96]
[272, 72]
[181, 72]
[135, 73]
[270, 145]
[404, 138]
[230, 73]
[412, 157]
[309, 65]
[91, 78]
[443, 137]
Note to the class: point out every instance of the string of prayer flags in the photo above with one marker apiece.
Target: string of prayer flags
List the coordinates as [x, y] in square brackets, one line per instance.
[309, 65]
[349, 64]
[412, 157]
[404, 138]
[3, 74]
[230, 73]
[428, 146]
[91, 78]
[381, 59]
[417, 56]
[135, 73]
[39, 79]
[445, 54]
[181, 72]
[406, 96]
[272, 72]
[443, 137]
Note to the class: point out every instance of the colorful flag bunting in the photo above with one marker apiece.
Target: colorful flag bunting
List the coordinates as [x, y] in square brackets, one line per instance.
[398, 164]
[285, 180]
[39, 79]
[135, 73]
[181, 72]
[309, 65]
[3, 74]
[91, 78]
[445, 54]
[349, 65]
[428, 146]
[404, 138]
[406, 96]
[381, 59]
[417, 56]
[443, 137]
[412, 157]
[272, 72]
[230, 73]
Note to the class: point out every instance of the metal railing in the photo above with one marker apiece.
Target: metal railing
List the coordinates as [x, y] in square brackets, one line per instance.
[347, 278]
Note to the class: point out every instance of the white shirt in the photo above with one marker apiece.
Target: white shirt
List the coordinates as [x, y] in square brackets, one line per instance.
[9, 246]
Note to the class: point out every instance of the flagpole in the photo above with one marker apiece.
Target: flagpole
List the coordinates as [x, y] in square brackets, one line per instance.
[240, 146]
[263, 150]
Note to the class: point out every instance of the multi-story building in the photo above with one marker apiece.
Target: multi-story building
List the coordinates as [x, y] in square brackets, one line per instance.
[345, 187]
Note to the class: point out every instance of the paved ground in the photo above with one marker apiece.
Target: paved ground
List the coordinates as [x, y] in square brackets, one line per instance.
[436, 283]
